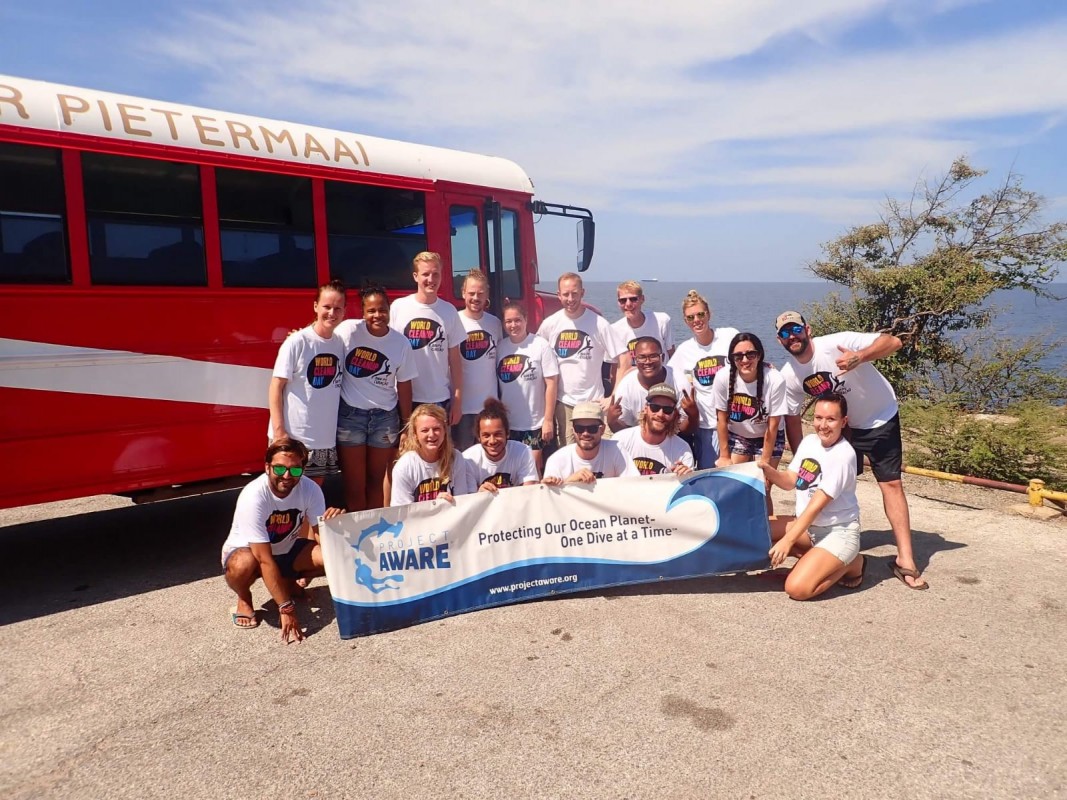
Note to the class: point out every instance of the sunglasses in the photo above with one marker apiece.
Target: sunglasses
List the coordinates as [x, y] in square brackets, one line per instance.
[695, 316]
[281, 469]
[586, 428]
[624, 300]
[660, 409]
[745, 356]
[790, 330]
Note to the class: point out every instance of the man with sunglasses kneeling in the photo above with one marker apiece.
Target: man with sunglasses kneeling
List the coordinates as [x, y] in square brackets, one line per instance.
[274, 536]
[591, 456]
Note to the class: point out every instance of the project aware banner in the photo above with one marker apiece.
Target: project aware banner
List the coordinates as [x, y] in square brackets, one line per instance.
[394, 567]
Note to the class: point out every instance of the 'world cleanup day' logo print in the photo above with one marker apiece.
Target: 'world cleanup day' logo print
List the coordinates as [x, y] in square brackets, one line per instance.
[476, 345]
[381, 548]
[322, 370]
[512, 368]
[743, 407]
[423, 333]
[363, 362]
[501, 480]
[573, 344]
[281, 524]
[808, 473]
[428, 489]
[649, 466]
[705, 369]
[822, 383]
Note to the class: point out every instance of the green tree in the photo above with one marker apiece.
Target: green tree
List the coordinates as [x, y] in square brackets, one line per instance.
[924, 271]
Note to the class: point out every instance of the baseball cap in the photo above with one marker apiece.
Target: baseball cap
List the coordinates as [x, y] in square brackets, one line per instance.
[787, 317]
[588, 410]
[662, 390]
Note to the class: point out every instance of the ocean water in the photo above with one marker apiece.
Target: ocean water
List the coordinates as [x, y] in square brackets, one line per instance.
[754, 306]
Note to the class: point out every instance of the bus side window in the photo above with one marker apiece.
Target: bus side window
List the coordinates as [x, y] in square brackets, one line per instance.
[466, 249]
[267, 228]
[33, 238]
[374, 233]
[510, 279]
[145, 221]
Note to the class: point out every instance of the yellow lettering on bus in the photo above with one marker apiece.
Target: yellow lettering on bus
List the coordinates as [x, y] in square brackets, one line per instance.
[316, 147]
[366, 160]
[238, 130]
[203, 130]
[66, 105]
[341, 149]
[280, 138]
[15, 99]
[128, 119]
[170, 114]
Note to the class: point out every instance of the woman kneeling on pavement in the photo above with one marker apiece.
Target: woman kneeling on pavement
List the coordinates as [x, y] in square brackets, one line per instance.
[825, 533]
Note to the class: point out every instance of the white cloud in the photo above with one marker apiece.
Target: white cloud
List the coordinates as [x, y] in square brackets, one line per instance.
[603, 99]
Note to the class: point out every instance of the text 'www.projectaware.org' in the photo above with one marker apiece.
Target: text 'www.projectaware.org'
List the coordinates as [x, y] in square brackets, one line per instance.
[523, 586]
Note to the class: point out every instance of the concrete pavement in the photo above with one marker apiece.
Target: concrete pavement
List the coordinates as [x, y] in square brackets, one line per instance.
[122, 677]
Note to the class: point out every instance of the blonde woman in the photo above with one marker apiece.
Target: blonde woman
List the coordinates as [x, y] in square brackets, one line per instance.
[697, 360]
[429, 466]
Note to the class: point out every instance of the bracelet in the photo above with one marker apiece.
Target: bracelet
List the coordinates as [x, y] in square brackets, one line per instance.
[288, 607]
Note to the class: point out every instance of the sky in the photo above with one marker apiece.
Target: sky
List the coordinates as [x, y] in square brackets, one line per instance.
[712, 140]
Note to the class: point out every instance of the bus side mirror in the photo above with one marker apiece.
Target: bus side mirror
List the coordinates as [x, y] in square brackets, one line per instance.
[586, 238]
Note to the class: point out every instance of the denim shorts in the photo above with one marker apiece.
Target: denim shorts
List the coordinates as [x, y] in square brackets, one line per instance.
[372, 427]
[753, 445]
[842, 541]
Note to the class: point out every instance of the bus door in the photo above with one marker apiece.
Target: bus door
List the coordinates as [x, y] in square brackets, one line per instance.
[485, 234]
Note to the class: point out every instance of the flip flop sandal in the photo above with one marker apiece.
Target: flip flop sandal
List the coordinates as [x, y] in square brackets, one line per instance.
[854, 581]
[234, 617]
[901, 573]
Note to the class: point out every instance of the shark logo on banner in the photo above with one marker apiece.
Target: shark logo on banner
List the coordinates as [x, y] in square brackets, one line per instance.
[390, 568]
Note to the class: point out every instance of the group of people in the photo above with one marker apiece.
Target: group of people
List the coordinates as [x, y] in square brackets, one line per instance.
[420, 401]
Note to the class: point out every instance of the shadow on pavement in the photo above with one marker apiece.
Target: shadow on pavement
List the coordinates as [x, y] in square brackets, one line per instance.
[70, 562]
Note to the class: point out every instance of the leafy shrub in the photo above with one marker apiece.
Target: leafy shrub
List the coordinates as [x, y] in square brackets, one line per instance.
[1028, 441]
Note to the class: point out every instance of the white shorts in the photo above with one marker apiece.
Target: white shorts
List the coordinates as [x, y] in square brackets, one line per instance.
[841, 541]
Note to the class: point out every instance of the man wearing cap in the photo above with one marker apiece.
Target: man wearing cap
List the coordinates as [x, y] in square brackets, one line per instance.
[629, 398]
[591, 456]
[840, 363]
[654, 446]
[273, 536]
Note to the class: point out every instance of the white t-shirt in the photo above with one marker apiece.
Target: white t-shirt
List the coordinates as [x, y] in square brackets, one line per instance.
[581, 346]
[871, 400]
[521, 370]
[431, 330]
[743, 404]
[262, 516]
[479, 350]
[311, 366]
[698, 365]
[514, 469]
[415, 479]
[654, 459]
[631, 395]
[656, 324]
[610, 462]
[834, 471]
[373, 365]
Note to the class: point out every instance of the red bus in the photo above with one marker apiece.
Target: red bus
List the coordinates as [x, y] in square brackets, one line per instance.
[153, 256]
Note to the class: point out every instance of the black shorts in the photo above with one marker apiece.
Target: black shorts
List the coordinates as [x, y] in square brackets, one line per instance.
[883, 447]
[285, 560]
